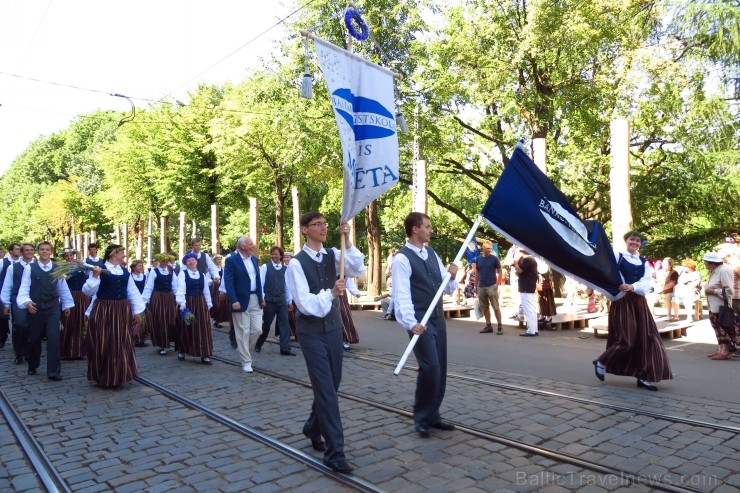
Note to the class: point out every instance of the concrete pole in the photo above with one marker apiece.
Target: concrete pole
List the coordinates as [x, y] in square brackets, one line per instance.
[149, 230]
[253, 224]
[85, 241]
[117, 233]
[182, 241]
[296, 220]
[163, 234]
[539, 153]
[124, 239]
[93, 238]
[66, 241]
[619, 178]
[78, 244]
[215, 243]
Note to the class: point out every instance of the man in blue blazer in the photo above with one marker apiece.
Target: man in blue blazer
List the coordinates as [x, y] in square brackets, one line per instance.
[244, 289]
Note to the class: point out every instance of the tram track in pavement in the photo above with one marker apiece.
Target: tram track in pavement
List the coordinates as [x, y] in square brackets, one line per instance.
[494, 437]
[347, 479]
[39, 461]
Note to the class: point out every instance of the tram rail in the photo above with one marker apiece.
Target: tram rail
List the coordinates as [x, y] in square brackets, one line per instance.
[38, 459]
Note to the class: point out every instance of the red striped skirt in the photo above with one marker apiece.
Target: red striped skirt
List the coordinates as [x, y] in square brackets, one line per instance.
[161, 318]
[634, 347]
[196, 339]
[111, 358]
[349, 333]
[72, 344]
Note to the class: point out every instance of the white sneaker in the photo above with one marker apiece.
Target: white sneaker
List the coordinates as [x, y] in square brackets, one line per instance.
[248, 368]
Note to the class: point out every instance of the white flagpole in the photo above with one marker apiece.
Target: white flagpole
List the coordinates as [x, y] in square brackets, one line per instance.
[445, 280]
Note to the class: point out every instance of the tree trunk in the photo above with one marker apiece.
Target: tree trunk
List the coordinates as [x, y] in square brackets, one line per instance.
[375, 265]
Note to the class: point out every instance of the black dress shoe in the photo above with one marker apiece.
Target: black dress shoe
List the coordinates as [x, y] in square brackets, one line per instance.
[19, 360]
[288, 353]
[316, 443]
[56, 378]
[487, 330]
[206, 360]
[339, 466]
[599, 375]
[257, 349]
[527, 334]
[444, 426]
[423, 431]
[646, 385]
[31, 372]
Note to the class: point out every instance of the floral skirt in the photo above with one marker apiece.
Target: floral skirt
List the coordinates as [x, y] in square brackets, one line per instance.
[161, 318]
[195, 339]
[72, 343]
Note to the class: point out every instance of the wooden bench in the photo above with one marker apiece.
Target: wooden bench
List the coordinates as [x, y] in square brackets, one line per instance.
[365, 305]
[456, 311]
[569, 321]
[672, 331]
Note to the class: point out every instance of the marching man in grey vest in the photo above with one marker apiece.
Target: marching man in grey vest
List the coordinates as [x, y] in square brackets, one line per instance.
[313, 284]
[417, 275]
[277, 301]
[40, 294]
[205, 262]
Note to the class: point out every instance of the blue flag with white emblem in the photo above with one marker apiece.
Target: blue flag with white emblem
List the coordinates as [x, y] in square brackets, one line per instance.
[527, 208]
[363, 99]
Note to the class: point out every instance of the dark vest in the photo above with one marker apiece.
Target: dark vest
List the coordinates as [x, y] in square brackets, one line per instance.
[202, 264]
[162, 282]
[275, 284]
[194, 287]
[113, 287]
[100, 263]
[17, 276]
[631, 273]
[76, 280]
[319, 275]
[425, 281]
[43, 290]
[6, 263]
[140, 284]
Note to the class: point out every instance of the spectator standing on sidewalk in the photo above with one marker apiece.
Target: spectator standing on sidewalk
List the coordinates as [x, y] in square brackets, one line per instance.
[488, 274]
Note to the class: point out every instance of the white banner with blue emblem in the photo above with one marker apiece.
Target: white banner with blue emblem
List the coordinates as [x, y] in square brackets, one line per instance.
[363, 99]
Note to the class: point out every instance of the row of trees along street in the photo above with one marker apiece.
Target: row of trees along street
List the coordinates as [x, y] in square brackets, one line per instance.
[474, 81]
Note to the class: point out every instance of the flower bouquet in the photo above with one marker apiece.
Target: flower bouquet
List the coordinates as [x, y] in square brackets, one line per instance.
[64, 270]
[187, 316]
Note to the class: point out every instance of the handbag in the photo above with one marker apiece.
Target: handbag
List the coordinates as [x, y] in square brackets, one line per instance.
[726, 316]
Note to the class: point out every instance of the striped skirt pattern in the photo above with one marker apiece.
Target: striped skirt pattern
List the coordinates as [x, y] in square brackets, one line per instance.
[220, 309]
[349, 333]
[634, 347]
[111, 358]
[161, 318]
[72, 344]
[195, 339]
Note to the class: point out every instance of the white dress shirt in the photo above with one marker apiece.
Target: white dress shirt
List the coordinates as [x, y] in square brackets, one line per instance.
[92, 285]
[352, 287]
[212, 268]
[8, 283]
[403, 307]
[319, 305]
[182, 288]
[278, 267]
[24, 292]
[641, 287]
[149, 287]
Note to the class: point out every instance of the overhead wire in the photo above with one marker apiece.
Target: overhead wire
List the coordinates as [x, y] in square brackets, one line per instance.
[35, 32]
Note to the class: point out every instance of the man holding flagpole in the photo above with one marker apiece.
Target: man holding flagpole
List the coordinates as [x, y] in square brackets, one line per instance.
[311, 277]
[417, 274]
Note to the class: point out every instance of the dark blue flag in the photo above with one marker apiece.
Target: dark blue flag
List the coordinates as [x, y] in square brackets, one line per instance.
[527, 208]
[472, 251]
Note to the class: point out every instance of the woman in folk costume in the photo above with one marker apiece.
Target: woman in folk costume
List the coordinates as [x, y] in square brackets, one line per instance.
[111, 358]
[194, 337]
[71, 341]
[634, 347]
[349, 333]
[159, 294]
[139, 277]
[220, 310]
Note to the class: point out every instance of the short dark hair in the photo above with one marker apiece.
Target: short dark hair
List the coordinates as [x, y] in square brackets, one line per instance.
[195, 240]
[415, 219]
[92, 245]
[28, 244]
[309, 217]
[277, 248]
[13, 245]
